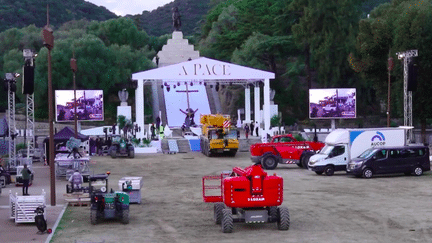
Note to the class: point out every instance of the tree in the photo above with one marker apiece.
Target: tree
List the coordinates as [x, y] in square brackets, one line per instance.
[325, 31]
[397, 26]
[121, 31]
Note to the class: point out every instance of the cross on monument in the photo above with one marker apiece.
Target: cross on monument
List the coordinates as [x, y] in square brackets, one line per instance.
[187, 91]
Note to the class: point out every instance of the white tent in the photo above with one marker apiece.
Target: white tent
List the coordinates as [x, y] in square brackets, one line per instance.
[209, 71]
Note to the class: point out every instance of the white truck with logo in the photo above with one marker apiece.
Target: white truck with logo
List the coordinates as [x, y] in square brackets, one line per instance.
[342, 145]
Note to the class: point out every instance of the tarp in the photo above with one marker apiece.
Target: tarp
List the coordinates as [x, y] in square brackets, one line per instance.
[4, 129]
[65, 134]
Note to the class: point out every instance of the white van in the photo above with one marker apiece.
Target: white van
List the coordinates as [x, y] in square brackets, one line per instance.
[342, 145]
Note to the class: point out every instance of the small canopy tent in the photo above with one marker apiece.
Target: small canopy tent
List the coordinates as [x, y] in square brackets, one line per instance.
[62, 137]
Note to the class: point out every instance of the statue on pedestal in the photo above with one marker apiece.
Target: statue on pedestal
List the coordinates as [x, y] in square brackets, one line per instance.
[123, 96]
[176, 19]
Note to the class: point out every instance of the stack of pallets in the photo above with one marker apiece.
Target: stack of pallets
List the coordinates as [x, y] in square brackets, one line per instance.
[78, 199]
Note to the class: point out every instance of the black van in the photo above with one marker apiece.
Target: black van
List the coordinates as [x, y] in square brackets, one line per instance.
[386, 160]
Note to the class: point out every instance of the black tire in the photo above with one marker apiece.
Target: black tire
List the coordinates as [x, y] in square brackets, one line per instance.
[319, 172]
[367, 173]
[3, 181]
[329, 170]
[131, 153]
[299, 164]
[113, 153]
[305, 159]
[269, 162]
[93, 216]
[68, 188]
[218, 207]
[232, 153]
[283, 221]
[125, 216]
[273, 214]
[418, 171]
[227, 223]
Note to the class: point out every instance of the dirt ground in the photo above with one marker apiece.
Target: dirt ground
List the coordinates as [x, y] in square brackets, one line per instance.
[340, 208]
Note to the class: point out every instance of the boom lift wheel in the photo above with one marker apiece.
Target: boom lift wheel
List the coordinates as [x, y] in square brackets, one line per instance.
[227, 220]
[283, 221]
[273, 213]
[218, 207]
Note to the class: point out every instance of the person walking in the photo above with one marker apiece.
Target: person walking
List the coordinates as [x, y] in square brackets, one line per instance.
[26, 173]
[252, 127]
[246, 128]
[153, 133]
[158, 122]
[161, 132]
[257, 127]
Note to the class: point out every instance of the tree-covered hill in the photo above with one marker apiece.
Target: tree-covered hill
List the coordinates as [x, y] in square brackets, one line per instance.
[22, 13]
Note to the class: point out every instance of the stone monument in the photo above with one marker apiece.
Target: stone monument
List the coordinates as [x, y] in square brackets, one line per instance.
[176, 50]
[124, 109]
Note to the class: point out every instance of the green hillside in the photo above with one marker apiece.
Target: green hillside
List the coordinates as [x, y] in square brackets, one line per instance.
[22, 13]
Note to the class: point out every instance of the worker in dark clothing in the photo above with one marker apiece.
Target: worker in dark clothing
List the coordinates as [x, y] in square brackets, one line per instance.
[26, 173]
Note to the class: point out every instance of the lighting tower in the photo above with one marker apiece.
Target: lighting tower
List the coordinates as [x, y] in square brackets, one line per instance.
[10, 83]
[28, 89]
[408, 118]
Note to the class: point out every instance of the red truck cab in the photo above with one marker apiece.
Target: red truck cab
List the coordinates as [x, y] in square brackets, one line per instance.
[284, 149]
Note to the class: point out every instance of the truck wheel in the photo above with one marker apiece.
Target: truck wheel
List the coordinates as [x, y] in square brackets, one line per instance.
[329, 170]
[299, 164]
[367, 173]
[3, 181]
[227, 221]
[418, 171]
[273, 214]
[269, 162]
[93, 216]
[125, 216]
[305, 159]
[218, 207]
[283, 221]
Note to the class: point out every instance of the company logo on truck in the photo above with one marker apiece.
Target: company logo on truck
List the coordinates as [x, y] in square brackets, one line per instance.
[378, 140]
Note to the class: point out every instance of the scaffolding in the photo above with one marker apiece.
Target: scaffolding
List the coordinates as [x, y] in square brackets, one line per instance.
[407, 57]
[10, 79]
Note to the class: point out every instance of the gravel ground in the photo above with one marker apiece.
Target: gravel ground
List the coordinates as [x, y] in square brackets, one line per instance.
[340, 208]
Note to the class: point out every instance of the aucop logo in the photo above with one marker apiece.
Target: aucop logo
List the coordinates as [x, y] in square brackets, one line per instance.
[378, 140]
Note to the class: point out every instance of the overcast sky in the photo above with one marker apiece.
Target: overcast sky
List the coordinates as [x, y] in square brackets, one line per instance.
[123, 7]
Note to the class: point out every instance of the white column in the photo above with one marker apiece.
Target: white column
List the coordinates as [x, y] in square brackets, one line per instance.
[257, 106]
[247, 105]
[139, 107]
[266, 107]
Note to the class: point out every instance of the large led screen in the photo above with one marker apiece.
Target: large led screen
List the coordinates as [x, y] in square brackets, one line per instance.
[332, 103]
[89, 105]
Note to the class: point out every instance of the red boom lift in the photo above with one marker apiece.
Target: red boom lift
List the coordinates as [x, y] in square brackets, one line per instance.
[246, 195]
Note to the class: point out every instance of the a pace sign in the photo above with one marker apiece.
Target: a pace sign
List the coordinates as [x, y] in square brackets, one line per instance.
[205, 70]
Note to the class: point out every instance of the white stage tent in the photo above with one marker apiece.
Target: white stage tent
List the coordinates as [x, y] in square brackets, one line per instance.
[208, 71]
